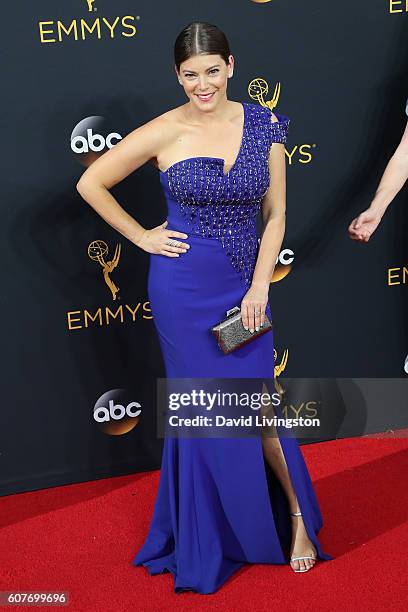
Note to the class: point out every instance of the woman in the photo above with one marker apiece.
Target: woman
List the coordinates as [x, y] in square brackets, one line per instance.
[221, 502]
[391, 183]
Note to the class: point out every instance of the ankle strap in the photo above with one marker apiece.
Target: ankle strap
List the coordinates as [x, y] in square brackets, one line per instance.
[296, 514]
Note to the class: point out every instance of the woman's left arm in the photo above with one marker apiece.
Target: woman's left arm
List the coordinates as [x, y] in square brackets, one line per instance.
[274, 218]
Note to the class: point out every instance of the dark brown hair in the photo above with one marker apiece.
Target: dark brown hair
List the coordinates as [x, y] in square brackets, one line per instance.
[200, 38]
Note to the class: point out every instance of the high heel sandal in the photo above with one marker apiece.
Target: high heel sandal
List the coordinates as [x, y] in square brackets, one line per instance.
[298, 571]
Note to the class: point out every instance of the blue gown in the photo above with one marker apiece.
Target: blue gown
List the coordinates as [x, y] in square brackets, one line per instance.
[218, 504]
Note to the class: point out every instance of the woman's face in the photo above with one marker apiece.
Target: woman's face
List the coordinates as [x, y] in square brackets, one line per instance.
[205, 74]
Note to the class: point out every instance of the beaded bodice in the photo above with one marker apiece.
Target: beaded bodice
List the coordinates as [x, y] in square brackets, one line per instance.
[225, 206]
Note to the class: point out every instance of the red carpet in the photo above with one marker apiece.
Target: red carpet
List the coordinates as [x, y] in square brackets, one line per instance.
[81, 538]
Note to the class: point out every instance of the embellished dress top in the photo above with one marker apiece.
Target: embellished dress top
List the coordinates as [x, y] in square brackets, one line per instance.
[204, 201]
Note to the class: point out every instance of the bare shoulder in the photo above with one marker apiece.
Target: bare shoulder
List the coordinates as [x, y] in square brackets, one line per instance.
[170, 120]
[274, 118]
[158, 128]
[143, 144]
[161, 131]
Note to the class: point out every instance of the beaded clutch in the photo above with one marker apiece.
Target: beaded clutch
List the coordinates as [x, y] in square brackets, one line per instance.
[231, 334]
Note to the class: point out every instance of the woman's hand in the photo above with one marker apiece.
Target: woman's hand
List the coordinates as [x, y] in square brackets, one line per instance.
[363, 226]
[154, 241]
[253, 307]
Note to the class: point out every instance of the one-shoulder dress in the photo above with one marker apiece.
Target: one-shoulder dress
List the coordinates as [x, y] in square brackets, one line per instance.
[218, 504]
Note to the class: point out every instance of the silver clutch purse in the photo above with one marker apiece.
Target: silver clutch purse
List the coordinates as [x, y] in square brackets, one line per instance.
[231, 334]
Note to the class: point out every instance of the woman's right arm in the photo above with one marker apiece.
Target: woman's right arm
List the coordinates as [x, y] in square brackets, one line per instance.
[393, 179]
[138, 147]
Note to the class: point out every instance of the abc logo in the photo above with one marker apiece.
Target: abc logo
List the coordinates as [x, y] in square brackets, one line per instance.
[286, 257]
[116, 413]
[283, 265]
[91, 137]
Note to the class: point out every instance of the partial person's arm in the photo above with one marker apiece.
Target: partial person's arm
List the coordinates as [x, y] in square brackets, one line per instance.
[273, 218]
[112, 167]
[138, 147]
[393, 179]
[273, 231]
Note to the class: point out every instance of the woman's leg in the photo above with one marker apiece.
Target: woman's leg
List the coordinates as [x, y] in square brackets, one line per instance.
[272, 449]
